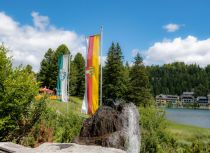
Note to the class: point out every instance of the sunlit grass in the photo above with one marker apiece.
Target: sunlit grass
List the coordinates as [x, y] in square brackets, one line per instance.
[188, 133]
[74, 105]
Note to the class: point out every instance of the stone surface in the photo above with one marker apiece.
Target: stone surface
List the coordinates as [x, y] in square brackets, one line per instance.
[57, 148]
[116, 127]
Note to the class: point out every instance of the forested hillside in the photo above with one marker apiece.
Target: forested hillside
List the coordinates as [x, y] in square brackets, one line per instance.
[178, 77]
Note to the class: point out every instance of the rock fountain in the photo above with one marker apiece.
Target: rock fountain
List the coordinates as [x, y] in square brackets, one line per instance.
[111, 130]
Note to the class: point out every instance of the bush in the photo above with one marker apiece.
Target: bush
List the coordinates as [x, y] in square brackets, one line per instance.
[155, 139]
[18, 109]
[54, 127]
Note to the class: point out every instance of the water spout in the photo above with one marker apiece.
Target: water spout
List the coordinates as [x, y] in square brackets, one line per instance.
[133, 131]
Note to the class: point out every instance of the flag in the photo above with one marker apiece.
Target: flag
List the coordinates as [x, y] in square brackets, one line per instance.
[62, 81]
[91, 98]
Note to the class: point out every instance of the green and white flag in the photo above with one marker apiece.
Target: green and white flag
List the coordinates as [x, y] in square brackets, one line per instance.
[63, 78]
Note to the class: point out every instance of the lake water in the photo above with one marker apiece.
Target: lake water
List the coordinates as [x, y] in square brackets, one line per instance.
[195, 117]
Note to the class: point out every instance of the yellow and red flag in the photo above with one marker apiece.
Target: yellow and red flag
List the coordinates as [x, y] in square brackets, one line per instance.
[91, 99]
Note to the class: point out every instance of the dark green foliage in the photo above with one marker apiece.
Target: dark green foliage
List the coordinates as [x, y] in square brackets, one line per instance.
[79, 63]
[178, 77]
[127, 79]
[139, 88]
[114, 82]
[73, 78]
[49, 67]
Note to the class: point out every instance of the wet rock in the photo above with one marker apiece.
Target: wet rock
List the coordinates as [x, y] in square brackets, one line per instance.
[112, 127]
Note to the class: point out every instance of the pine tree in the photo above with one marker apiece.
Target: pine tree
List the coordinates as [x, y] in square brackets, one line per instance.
[73, 79]
[45, 75]
[139, 91]
[127, 79]
[114, 83]
[49, 67]
[79, 63]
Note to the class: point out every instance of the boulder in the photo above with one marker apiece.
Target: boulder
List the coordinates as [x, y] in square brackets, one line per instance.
[116, 127]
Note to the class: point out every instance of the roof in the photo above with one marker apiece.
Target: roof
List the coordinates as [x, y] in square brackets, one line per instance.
[202, 97]
[45, 90]
[161, 96]
[188, 93]
[167, 96]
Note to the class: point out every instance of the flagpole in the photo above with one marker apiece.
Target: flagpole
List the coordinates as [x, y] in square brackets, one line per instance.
[69, 62]
[101, 66]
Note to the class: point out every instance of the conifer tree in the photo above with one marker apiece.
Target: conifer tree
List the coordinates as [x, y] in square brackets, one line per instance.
[73, 79]
[49, 67]
[45, 75]
[79, 63]
[139, 92]
[114, 84]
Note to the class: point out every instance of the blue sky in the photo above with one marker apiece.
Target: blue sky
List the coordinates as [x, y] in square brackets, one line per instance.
[136, 25]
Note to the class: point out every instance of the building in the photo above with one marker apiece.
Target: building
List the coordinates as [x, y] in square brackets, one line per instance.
[202, 100]
[208, 98]
[163, 99]
[187, 97]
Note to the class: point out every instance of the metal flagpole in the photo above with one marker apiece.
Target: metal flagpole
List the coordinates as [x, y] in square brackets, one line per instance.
[101, 66]
[69, 62]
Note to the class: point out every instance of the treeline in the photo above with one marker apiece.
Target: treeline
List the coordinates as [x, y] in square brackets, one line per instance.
[120, 81]
[178, 77]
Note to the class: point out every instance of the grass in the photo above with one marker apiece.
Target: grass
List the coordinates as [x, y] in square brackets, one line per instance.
[74, 105]
[188, 133]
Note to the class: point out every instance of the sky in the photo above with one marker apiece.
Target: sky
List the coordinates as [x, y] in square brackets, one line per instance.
[162, 31]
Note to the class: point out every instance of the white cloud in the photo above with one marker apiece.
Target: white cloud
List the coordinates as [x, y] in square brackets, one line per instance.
[171, 27]
[40, 22]
[28, 43]
[188, 50]
[134, 52]
[103, 60]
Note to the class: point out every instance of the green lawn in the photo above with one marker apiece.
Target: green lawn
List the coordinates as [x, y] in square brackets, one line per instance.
[74, 105]
[188, 133]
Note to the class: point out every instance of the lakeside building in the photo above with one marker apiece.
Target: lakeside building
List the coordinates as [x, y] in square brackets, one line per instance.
[187, 97]
[202, 100]
[208, 98]
[163, 99]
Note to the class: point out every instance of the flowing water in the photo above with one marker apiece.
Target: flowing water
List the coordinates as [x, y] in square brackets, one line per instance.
[195, 117]
[133, 131]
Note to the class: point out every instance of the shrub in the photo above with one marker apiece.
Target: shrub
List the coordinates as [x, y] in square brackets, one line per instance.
[54, 127]
[155, 139]
[18, 109]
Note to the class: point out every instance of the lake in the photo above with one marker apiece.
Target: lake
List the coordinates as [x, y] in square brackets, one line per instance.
[195, 117]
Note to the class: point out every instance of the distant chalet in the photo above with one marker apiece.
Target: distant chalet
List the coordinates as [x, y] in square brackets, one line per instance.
[163, 99]
[185, 98]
